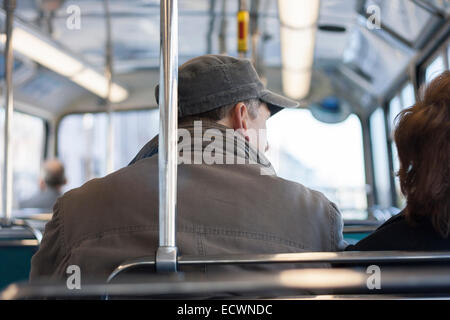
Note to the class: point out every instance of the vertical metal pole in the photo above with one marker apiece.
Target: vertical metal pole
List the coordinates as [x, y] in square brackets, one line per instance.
[388, 130]
[223, 29]
[9, 6]
[254, 31]
[51, 144]
[212, 20]
[108, 75]
[368, 165]
[166, 256]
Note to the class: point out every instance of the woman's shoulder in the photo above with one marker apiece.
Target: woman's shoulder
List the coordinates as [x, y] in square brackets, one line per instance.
[399, 234]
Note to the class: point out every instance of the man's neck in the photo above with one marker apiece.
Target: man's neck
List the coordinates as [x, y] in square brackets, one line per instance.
[226, 122]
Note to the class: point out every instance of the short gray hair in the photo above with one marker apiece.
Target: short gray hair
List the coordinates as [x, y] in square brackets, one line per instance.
[221, 112]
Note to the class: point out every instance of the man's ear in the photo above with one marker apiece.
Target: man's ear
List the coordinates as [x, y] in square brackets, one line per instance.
[239, 116]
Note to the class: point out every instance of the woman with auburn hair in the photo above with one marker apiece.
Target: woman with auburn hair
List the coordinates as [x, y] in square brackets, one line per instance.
[422, 136]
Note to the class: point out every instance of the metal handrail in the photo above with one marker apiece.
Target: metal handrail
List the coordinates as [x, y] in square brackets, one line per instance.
[312, 281]
[9, 6]
[24, 224]
[43, 217]
[166, 255]
[350, 257]
[19, 243]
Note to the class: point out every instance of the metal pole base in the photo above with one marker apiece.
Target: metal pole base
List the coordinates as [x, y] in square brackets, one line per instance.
[166, 259]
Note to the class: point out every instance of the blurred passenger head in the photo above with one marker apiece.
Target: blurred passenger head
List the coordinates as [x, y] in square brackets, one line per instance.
[422, 136]
[53, 175]
[228, 91]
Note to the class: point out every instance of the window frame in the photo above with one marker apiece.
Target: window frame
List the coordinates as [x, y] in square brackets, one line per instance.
[60, 119]
[389, 128]
[365, 161]
[45, 134]
[416, 77]
[440, 50]
[102, 113]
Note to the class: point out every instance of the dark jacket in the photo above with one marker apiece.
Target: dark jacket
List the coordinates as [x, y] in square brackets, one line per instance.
[399, 234]
[221, 209]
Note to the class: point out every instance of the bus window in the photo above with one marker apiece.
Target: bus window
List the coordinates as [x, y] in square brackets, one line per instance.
[380, 157]
[395, 107]
[404, 99]
[434, 68]
[28, 151]
[325, 157]
[85, 157]
[408, 97]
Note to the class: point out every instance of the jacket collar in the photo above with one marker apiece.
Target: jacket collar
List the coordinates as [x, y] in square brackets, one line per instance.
[205, 138]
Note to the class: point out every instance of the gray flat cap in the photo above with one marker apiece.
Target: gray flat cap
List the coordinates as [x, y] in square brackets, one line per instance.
[208, 82]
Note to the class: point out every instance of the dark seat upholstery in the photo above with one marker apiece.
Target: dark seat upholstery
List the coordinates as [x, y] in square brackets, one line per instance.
[17, 246]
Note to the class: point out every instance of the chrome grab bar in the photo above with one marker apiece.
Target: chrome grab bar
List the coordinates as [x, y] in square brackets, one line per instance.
[7, 188]
[19, 243]
[314, 281]
[166, 255]
[24, 224]
[350, 257]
